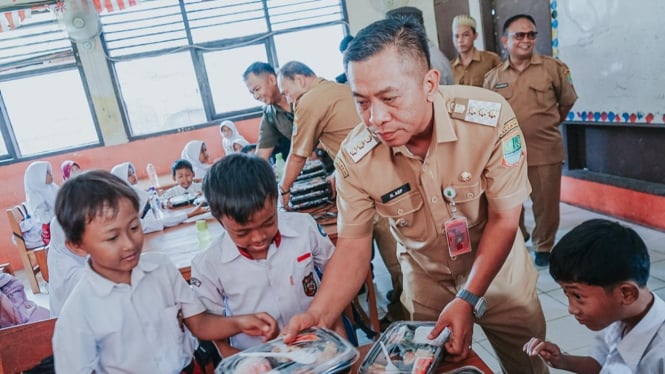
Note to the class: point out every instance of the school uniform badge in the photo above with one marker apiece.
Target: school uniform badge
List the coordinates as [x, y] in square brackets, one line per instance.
[309, 285]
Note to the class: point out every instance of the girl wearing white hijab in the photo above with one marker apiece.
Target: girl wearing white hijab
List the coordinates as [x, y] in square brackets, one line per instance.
[196, 152]
[40, 193]
[230, 136]
[150, 221]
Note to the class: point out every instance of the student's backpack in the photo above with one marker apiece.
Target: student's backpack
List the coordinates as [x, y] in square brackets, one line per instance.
[15, 308]
[31, 230]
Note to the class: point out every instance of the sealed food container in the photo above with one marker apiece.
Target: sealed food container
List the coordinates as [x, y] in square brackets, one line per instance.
[315, 351]
[405, 344]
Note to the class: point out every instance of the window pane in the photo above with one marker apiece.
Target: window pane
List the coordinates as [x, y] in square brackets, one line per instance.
[49, 112]
[160, 93]
[3, 147]
[317, 48]
[212, 20]
[225, 70]
[287, 14]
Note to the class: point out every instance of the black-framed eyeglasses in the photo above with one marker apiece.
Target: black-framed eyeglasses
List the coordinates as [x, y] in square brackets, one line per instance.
[521, 35]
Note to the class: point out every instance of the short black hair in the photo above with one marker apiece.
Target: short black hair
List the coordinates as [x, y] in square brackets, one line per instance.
[249, 148]
[238, 185]
[344, 43]
[514, 18]
[403, 33]
[181, 164]
[293, 68]
[258, 68]
[407, 11]
[85, 197]
[601, 253]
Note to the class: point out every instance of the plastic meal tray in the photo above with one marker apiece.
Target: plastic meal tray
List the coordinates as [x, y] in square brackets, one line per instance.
[409, 349]
[332, 354]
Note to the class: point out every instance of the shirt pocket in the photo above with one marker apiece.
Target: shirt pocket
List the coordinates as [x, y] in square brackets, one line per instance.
[469, 203]
[405, 216]
[544, 92]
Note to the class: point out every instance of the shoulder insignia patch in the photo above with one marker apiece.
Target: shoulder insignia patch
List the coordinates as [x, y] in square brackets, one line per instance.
[360, 145]
[476, 111]
[508, 127]
[341, 168]
[195, 282]
[512, 151]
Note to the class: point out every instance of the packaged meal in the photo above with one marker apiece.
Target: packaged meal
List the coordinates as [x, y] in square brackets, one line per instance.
[405, 344]
[315, 351]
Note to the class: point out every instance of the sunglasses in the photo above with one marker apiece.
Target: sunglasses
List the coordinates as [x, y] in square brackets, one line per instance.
[521, 35]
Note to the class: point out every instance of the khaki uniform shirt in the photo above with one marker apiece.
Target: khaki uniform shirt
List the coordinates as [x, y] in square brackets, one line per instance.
[485, 164]
[326, 114]
[270, 131]
[535, 95]
[474, 73]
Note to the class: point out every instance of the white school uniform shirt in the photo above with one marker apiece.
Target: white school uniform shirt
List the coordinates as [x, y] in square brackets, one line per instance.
[642, 350]
[283, 285]
[120, 328]
[191, 153]
[39, 196]
[177, 190]
[227, 143]
[65, 269]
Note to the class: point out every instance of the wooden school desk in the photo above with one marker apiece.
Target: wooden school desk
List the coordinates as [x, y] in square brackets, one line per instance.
[472, 360]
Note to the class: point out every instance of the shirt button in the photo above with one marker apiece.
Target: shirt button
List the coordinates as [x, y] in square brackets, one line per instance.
[400, 223]
[400, 211]
[434, 199]
[469, 195]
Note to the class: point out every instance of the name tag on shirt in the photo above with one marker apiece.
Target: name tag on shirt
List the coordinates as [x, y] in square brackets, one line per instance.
[401, 190]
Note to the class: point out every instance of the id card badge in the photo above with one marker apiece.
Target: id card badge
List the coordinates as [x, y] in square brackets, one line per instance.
[457, 234]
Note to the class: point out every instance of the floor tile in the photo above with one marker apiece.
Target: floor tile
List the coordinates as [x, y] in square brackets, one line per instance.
[568, 333]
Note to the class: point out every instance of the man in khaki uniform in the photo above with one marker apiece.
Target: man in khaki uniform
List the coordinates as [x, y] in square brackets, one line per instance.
[277, 120]
[324, 114]
[470, 65]
[540, 90]
[428, 158]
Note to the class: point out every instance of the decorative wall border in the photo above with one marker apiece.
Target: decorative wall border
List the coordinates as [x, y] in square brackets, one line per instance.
[599, 116]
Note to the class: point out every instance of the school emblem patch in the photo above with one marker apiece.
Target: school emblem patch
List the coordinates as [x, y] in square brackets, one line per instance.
[195, 282]
[309, 285]
[512, 151]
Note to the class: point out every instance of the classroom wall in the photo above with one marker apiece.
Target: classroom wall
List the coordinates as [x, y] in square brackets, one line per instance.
[161, 151]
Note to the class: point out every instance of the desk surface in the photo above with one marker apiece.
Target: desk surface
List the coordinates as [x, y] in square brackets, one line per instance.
[472, 360]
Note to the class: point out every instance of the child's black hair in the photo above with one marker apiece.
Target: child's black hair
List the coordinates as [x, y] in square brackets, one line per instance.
[85, 197]
[239, 185]
[601, 253]
[181, 164]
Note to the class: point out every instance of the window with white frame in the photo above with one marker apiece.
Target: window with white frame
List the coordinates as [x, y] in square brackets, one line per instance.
[43, 100]
[179, 64]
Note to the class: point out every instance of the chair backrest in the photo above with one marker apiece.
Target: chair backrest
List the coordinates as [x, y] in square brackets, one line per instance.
[34, 260]
[25, 346]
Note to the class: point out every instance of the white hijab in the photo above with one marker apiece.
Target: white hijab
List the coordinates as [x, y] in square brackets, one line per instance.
[122, 171]
[39, 196]
[191, 153]
[227, 143]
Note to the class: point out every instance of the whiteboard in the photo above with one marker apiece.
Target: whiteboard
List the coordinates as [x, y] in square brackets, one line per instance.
[615, 50]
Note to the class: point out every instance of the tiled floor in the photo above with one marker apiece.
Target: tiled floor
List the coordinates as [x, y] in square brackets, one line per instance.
[561, 327]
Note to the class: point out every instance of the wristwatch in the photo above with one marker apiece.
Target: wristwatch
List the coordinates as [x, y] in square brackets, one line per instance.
[478, 303]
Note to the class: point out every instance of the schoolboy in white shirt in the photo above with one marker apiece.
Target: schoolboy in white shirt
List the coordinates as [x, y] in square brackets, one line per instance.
[128, 313]
[603, 268]
[264, 260]
[183, 175]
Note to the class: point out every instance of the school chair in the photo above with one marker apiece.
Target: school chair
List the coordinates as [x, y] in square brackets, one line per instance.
[34, 259]
[25, 346]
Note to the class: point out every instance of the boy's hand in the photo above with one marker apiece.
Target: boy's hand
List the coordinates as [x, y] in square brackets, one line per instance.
[258, 324]
[198, 209]
[549, 352]
[169, 204]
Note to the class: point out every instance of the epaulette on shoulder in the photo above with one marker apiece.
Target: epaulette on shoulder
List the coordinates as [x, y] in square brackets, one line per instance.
[475, 111]
[360, 145]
